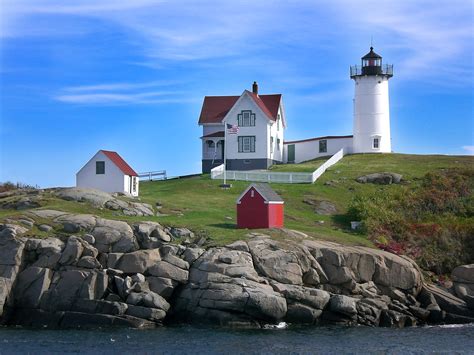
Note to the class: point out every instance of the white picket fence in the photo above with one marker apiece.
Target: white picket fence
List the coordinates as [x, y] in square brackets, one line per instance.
[277, 177]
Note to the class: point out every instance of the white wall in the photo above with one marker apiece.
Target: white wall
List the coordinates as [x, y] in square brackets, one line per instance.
[127, 187]
[310, 149]
[260, 131]
[273, 152]
[114, 180]
[371, 114]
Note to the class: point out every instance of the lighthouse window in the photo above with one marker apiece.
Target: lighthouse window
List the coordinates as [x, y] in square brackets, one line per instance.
[323, 146]
[376, 143]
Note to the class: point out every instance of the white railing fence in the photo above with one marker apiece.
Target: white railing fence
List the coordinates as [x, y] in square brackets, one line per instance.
[217, 171]
[277, 177]
[328, 163]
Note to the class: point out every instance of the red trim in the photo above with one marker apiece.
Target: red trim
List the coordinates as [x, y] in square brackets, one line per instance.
[316, 139]
[119, 162]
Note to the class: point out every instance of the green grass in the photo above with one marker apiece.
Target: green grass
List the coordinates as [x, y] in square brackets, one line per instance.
[305, 167]
[199, 204]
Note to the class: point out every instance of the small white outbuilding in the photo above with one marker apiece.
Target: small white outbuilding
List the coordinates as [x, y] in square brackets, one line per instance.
[107, 171]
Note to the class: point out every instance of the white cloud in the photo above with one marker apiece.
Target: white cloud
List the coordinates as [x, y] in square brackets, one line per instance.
[119, 86]
[122, 93]
[469, 149]
[429, 40]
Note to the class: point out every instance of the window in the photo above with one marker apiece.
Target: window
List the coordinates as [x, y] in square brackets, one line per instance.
[376, 143]
[252, 193]
[246, 118]
[100, 167]
[278, 122]
[278, 143]
[134, 184]
[271, 144]
[246, 144]
[323, 146]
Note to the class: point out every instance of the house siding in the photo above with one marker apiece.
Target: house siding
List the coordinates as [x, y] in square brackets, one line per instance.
[309, 150]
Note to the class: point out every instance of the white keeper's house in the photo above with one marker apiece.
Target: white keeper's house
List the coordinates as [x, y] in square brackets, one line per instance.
[257, 123]
[108, 171]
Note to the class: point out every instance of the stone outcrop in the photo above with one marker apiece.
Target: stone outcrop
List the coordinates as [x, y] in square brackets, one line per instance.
[100, 199]
[108, 273]
[463, 283]
[380, 178]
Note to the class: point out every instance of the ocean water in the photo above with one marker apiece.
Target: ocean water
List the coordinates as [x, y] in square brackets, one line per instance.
[454, 339]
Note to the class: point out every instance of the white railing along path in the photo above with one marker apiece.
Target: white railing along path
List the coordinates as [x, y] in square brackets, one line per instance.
[277, 177]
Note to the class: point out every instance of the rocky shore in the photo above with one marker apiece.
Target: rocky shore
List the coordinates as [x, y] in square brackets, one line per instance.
[88, 271]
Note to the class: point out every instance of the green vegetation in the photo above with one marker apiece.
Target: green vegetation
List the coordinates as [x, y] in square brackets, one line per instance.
[200, 205]
[305, 167]
[432, 222]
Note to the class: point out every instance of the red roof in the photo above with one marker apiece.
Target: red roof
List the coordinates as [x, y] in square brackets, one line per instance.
[119, 162]
[214, 108]
[215, 134]
[316, 139]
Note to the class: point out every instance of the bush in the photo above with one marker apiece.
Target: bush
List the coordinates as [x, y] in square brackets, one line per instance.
[431, 222]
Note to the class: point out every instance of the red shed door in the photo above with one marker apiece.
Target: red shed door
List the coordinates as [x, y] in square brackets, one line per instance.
[252, 212]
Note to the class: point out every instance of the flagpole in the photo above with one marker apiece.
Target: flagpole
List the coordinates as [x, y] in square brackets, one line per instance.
[225, 152]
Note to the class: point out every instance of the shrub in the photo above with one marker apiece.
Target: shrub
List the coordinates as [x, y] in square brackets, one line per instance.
[431, 222]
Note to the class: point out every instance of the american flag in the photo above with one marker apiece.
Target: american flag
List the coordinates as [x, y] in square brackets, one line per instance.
[232, 129]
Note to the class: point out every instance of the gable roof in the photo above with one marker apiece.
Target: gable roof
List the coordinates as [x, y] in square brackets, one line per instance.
[215, 108]
[119, 162]
[268, 194]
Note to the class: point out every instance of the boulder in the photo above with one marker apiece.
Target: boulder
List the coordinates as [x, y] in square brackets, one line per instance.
[275, 262]
[463, 274]
[96, 198]
[88, 262]
[343, 304]
[69, 285]
[138, 261]
[31, 285]
[192, 254]
[150, 235]
[114, 236]
[181, 233]
[302, 314]
[72, 252]
[148, 299]
[74, 223]
[380, 178]
[153, 314]
[45, 228]
[162, 286]
[321, 207]
[170, 271]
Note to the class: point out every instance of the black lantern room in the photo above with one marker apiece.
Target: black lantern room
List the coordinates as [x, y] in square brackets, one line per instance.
[371, 65]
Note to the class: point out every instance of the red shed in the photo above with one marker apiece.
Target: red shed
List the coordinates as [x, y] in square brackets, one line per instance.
[259, 207]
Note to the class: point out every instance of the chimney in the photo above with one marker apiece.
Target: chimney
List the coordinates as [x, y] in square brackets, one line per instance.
[255, 88]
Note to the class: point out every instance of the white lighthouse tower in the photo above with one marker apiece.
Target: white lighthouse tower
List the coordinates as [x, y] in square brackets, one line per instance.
[371, 105]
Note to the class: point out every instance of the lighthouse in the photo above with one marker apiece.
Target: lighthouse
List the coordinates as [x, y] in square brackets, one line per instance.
[371, 105]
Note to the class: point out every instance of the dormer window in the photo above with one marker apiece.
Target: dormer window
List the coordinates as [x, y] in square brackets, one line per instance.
[246, 118]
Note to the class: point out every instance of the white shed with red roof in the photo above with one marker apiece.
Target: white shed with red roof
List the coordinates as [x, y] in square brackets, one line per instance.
[108, 171]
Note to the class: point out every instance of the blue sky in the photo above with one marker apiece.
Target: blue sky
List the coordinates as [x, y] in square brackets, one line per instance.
[130, 76]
